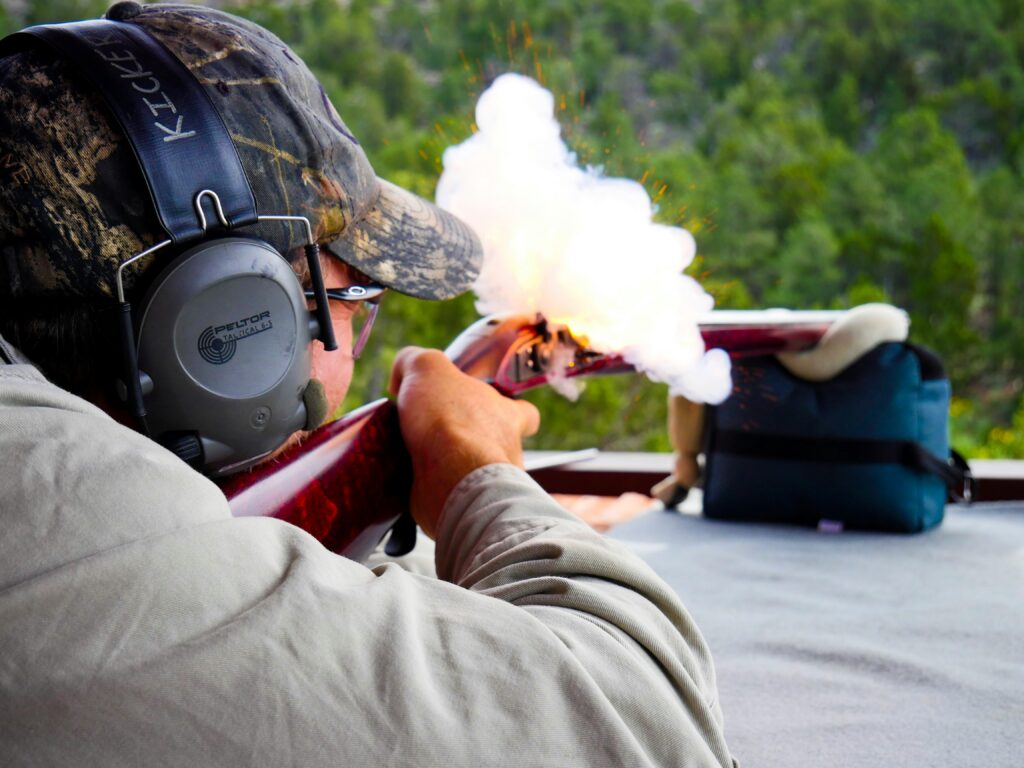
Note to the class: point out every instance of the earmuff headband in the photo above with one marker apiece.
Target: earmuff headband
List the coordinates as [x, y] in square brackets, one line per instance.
[222, 295]
[179, 138]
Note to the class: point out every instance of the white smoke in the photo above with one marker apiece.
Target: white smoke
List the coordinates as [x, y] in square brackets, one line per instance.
[576, 246]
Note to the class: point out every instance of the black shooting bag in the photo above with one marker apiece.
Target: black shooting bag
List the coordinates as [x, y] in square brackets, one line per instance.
[867, 449]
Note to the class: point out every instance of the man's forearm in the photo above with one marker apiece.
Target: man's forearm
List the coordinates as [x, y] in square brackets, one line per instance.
[502, 536]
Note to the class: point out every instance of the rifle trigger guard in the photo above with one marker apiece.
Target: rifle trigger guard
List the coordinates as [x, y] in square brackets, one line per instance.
[403, 536]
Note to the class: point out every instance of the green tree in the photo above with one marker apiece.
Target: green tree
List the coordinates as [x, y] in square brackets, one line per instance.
[808, 268]
[1001, 264]
[823, 152]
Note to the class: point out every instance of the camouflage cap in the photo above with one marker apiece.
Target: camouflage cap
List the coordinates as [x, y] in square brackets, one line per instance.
[74, 204]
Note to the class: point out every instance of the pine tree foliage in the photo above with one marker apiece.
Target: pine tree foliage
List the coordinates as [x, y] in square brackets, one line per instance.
[823, 152]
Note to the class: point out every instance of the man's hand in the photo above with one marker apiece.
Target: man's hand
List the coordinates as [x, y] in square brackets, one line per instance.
[452, 424]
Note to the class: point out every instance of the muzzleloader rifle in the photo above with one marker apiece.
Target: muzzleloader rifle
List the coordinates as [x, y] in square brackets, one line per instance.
[348, 482]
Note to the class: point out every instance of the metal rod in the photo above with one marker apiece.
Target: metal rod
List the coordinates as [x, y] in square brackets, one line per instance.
[132, 260]
[303, 219]
[201, 214]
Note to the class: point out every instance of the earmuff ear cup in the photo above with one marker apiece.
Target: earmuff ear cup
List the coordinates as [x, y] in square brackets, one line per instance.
[224, 335]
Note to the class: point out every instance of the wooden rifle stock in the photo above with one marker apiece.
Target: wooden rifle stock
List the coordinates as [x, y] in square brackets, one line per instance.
[347, 484]
[349, 481]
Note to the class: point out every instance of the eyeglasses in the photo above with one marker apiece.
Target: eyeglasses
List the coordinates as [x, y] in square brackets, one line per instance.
[371, 294]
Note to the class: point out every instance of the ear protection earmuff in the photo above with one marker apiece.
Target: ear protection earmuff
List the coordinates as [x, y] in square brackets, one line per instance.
[216, 363]
[224, 338]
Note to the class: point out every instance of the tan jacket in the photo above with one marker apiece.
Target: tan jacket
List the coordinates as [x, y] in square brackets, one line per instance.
[141, 625]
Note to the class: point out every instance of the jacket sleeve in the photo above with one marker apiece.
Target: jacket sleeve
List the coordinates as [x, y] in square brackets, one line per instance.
[501, 535]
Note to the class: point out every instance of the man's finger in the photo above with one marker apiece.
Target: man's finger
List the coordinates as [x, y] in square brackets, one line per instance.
[529, 418]
[403, 361]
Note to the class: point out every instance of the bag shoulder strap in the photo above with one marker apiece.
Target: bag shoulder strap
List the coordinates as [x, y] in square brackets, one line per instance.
[954, 472]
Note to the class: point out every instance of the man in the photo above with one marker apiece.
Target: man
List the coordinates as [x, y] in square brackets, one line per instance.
[142, 624]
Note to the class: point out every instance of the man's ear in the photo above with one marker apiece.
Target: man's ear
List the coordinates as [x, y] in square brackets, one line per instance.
[317, 406]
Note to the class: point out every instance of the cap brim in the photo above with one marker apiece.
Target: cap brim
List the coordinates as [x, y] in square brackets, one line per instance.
[411, 246]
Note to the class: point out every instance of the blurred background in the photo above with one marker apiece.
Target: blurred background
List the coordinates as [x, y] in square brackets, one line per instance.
[824, 153]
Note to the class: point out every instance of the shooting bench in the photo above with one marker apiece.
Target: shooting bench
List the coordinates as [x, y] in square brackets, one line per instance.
[857, 649]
